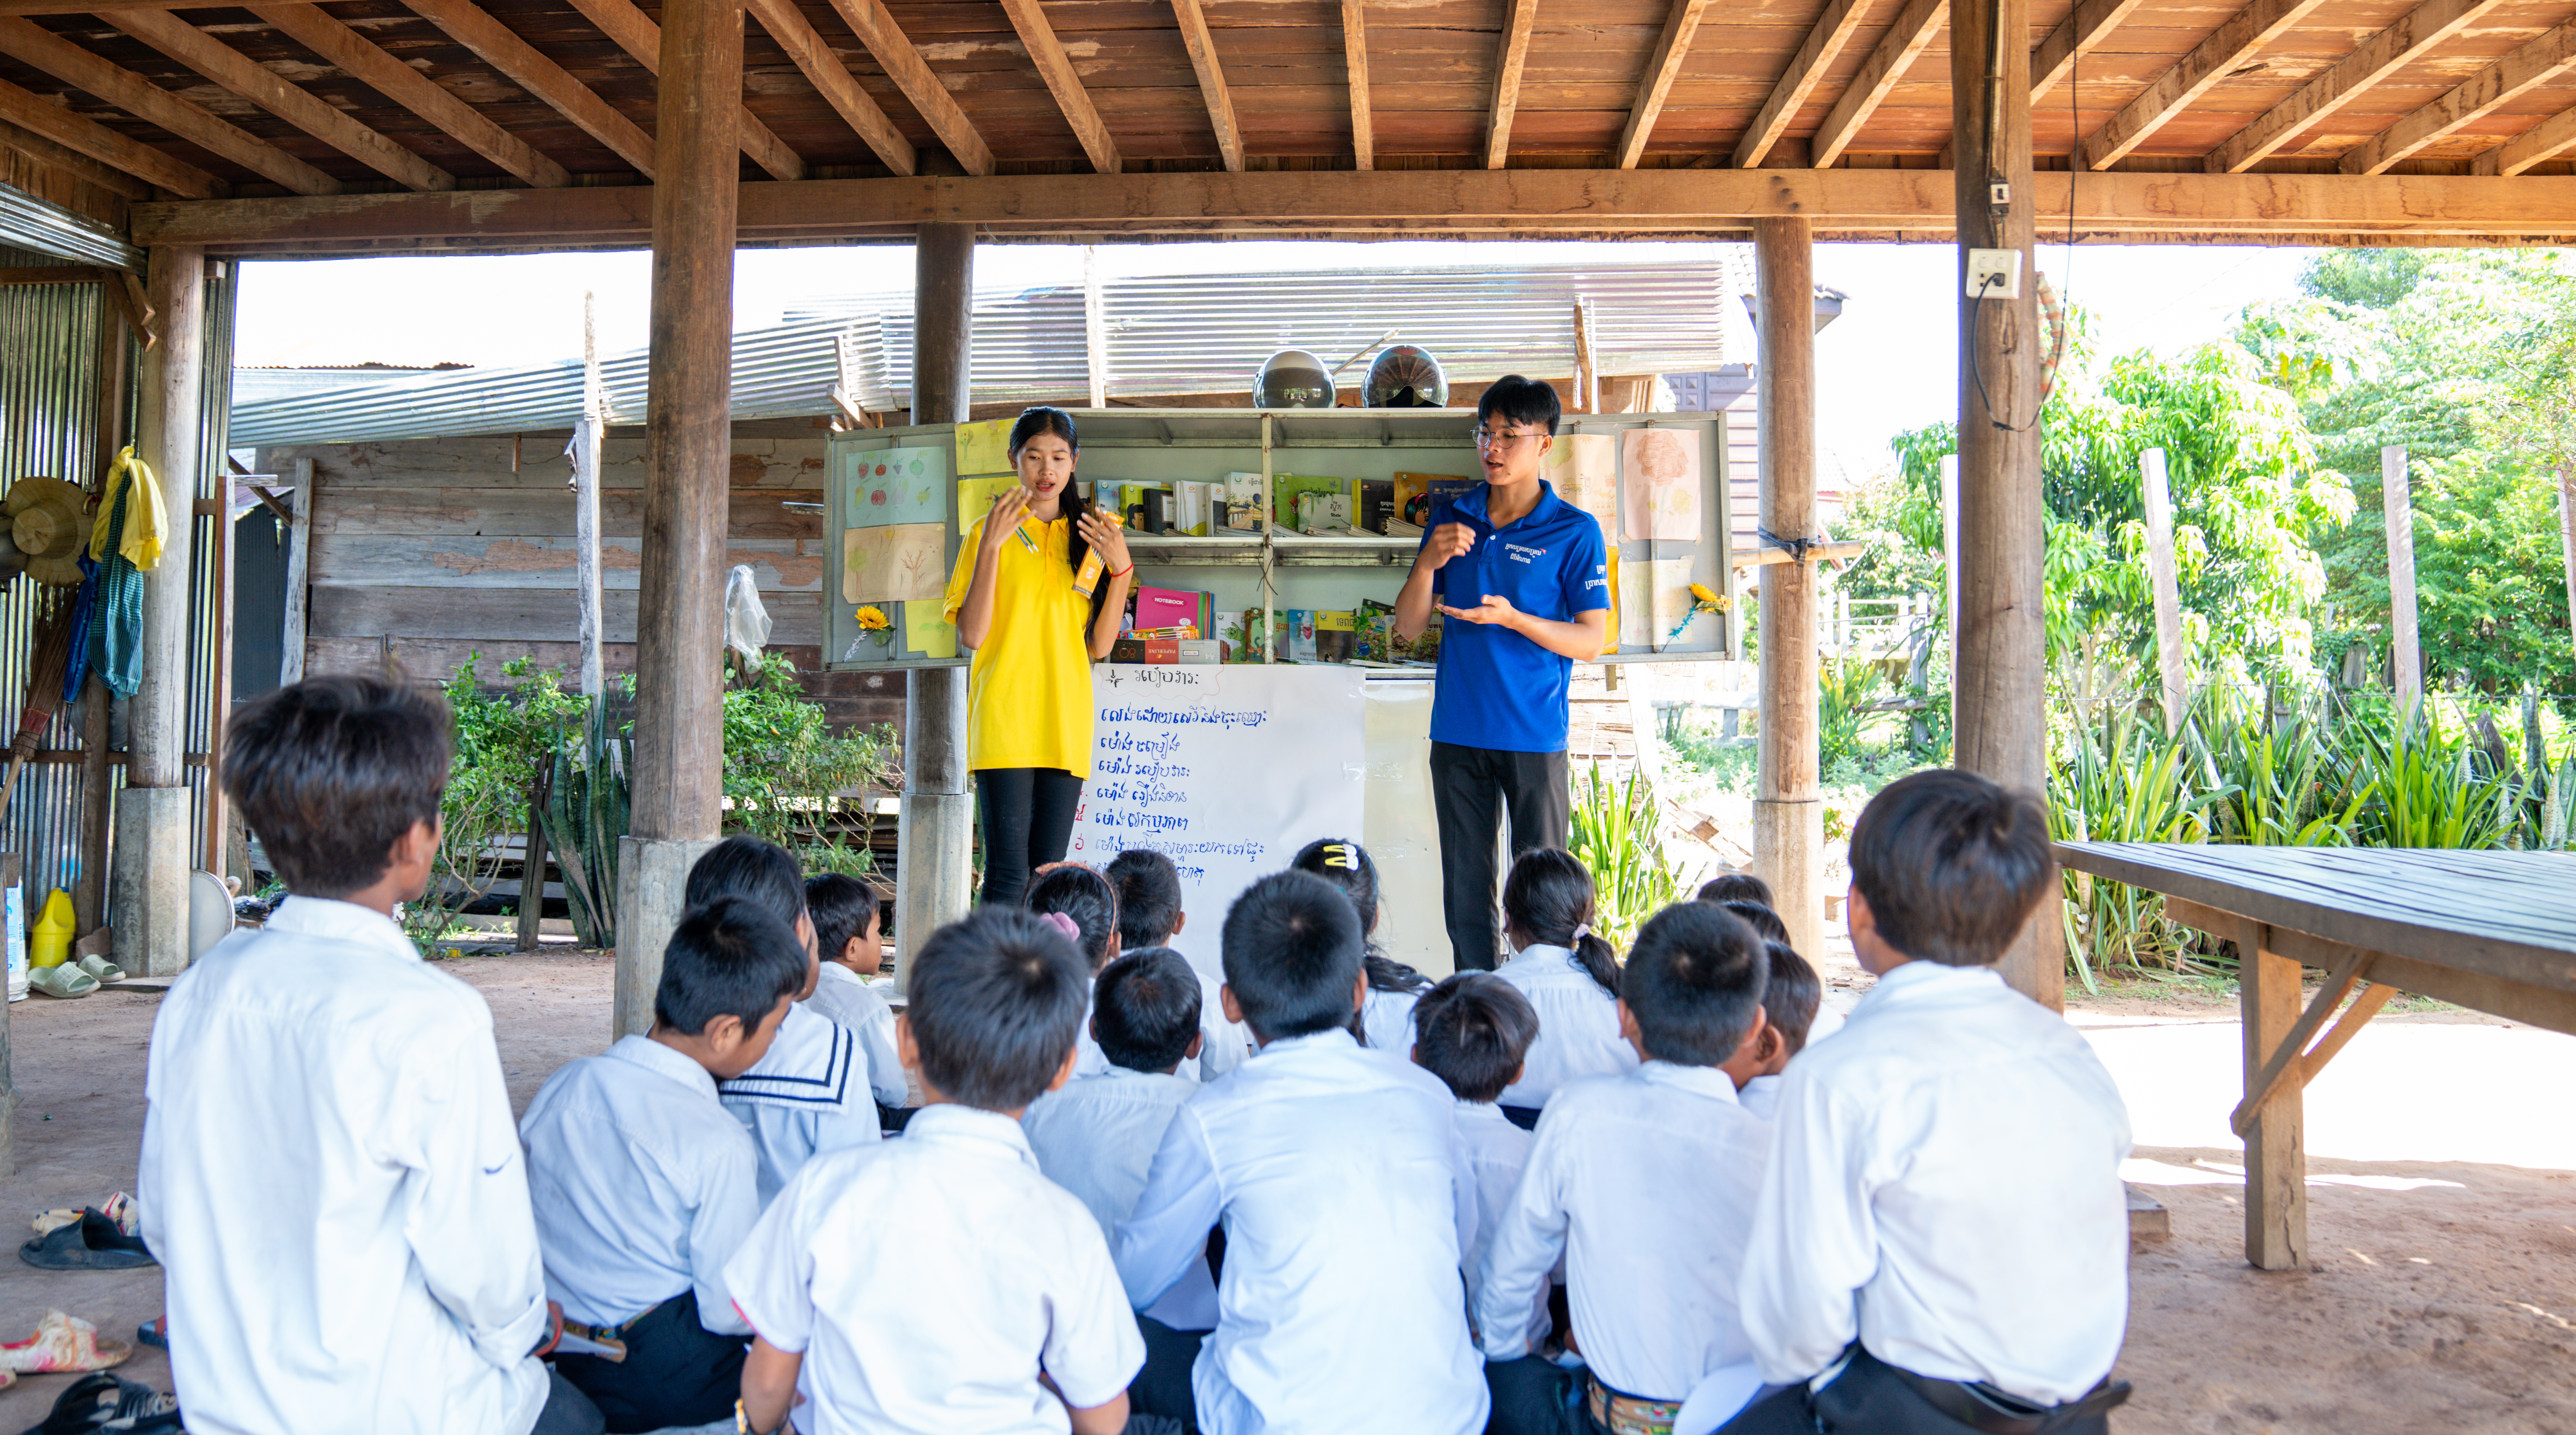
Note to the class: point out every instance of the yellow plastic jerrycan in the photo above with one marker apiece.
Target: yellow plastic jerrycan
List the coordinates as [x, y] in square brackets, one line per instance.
[49, 943]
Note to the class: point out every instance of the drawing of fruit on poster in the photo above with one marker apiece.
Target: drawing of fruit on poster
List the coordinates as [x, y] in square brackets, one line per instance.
[1659, 471]
[898, 485]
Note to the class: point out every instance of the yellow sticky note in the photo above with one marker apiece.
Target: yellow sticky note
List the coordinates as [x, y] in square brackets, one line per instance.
[925, 630]
[984, 447]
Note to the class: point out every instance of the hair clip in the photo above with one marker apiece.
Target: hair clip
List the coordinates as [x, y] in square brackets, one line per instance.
[1582, 930]
[1062, 923]
[1338, 854]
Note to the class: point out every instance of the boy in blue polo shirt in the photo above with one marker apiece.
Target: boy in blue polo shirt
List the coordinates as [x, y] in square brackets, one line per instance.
[1524, 580]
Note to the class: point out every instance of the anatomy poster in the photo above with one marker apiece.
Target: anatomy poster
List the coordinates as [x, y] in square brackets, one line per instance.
[1659, 475]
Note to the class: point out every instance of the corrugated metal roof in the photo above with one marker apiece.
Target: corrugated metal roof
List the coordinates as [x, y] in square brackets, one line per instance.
[47, 228]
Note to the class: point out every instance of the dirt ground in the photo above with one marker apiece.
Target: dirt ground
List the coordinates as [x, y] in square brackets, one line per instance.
[2442, 1221]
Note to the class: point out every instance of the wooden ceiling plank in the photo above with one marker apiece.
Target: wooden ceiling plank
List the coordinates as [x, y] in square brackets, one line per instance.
[26, 40]
[83, 135]
[1681, 25]
[1511, 55]
[2533, 64]
[501, 48]
[1915, 26]
[833, 81]
[1220, 102]
[361, 59]
[2546, 140]
[1046, 51]
[2377, 58]
[36, 149]
[2235, 41]
[640, 36]
[2074, 38]
[1355, 61]
[272, 92]
[901, 60]
[1826, 40]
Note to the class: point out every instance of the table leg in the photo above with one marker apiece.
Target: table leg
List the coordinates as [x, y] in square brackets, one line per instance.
[2276, 1166]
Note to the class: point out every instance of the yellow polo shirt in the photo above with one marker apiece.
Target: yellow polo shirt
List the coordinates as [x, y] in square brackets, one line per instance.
[1028, 692]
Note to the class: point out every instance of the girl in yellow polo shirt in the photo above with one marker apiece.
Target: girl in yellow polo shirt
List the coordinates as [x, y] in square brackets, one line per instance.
[1028, 703]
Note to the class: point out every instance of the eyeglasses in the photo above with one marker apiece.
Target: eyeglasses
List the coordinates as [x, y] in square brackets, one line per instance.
[1487, 438]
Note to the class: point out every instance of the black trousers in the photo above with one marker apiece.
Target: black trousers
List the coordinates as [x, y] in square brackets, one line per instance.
[1872, 1397]
[567, 1411]
[676, 1372]
[1533, 1396]
[1471, 790]
[1028, 819]
[1162, 1388]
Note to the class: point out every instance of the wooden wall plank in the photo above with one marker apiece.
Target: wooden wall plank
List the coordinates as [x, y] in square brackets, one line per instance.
[484, 462]
[495, 614]
[543, 511]
[541, 562]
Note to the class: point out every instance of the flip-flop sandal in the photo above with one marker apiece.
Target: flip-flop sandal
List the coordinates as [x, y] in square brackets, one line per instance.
[154, 1332]
[62, 1342]
[103, 1402]
[101, 968]
[62, 981]
[95, 1244]
[48, 1222]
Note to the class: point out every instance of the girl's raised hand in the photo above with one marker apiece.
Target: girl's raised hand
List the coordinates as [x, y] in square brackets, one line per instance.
[1008, 509]
[1107, 539]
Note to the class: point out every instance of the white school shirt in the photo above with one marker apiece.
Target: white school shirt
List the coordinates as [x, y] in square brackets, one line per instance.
[643, 1184]
[1646, 1183]
[928, 1282]
[331, 1183]
[1096, 1136]
[845, 997]
[1945, 1187]
[1761, 1096]
[1387, 1017]
[1578, 1025]
[1337, 1176]
[1223, 1045]
[1497, 1152]
[807, 1094]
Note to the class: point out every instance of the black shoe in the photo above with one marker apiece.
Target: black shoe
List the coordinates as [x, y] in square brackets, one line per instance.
[93, 1243]
[101, 1402]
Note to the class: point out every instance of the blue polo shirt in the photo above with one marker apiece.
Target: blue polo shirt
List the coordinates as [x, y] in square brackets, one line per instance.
[1497, 689]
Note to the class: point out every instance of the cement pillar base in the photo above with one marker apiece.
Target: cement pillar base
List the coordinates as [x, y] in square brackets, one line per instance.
[148, 885]
[936, 835]
[652, 885]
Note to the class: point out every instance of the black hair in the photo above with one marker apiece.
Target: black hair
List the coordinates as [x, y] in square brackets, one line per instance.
[1292, 955]
[1765, 922]
[1472, 1031]
[745, 866]
[1145, 1009]
[1735, 887]
[1694, 982]
[841, 906]
[1347, 865]
[332, 771]
[1520, 400]
[1791, 995]
[1548, 895]
[728, 957]
[1071, 505]
[1081, 893]
[1149, 898]
[995, 1004]
[1950, 865]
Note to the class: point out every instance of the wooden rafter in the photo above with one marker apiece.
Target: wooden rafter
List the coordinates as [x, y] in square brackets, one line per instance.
[2233, 43]
[502, 49]
[36, 149]
[2374, 60]
[1681, 24]
[1220, 102]
[270, 91]
[902, 62]
[1511, 53]
[34, 122]
[139, 97]
[2546, 140]
[833, 81]
[2073, 39]
[2531, 65]
[1915, 26]
[1826, 40]
[364, 61]
[1355, 64]
[641, 38]
[1046, 51]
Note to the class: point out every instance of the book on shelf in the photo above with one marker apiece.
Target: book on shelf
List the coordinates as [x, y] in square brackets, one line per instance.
[1334, 630]
[1202, 650]
[1372, 504]
[1296, 635]
[1165, 607]
[1287, 489]
[1176, 630]
[1323, 514]
[1398, 528]
[1191, 504]
[1416, 494]
[1243, 501]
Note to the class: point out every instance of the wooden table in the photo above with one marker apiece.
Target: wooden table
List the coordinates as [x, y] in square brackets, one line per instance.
[2494, 931]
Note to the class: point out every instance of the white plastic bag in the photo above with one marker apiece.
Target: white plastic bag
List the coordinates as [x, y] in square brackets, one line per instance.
[746, 621]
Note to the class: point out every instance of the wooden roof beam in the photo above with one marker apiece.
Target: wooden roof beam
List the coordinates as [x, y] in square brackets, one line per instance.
[2546, 140]
[1915, 26]
[1220, 102]
[28, 41]
[501, 48]
[1046, 51]
[833, 81]
[270, 91]
[1511, 54]
[361, 59]
[63, 159]
[2074, 38]
[1355, 62]
[2350, 78]
[1681, 25]
[44, 122]
[1825, 42]
[902, 62]
[2533, 64]
[641, 38]
[2233, 43]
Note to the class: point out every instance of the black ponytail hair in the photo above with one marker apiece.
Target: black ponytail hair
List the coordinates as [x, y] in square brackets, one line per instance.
[1548, 895]
[1347, 865]
[1087, 897]
[1032, 423]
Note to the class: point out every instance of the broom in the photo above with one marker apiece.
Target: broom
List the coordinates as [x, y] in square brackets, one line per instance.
[53, 636]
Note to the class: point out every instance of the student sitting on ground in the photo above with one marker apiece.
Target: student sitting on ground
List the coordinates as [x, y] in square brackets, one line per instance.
[939, 1285]
[1945, 1187]
[1471, 1031]
[1334, 1173]
[329, 1178]
[1083, 904]
[1386, 1014]
[1569, 975]
[1789, 1002]
[810, 1093]
[1735, 887]
[644, 1182]
[1150, 915]
[1650, 1279]
[849, 935]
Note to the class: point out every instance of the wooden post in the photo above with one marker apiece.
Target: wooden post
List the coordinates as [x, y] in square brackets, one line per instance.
[1095, 329]
[2172, 664]
[2000, 668]
[688, 438]
[2276, 1163]
[1587, 378]
[2405, 657]
[585, 501]
[1788, 806]
[210, 846]
[89, 887]
[532, 873]
[2567, 536]
[299, 598]
[936, 829]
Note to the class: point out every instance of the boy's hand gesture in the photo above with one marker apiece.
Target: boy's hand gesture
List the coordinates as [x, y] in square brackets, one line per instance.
[1447, 541]
[1495, 609]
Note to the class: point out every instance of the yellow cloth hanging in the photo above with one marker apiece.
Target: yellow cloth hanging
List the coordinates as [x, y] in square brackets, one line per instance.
[146, 521]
